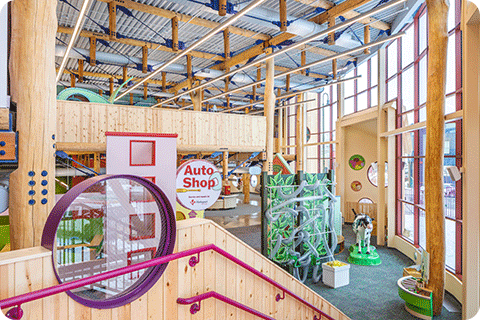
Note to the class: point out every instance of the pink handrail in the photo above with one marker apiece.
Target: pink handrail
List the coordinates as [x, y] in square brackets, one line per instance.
[46, 292]
[212, 294]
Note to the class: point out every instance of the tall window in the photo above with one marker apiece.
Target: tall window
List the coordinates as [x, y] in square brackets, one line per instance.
[361, 94]
[407, 83]
[320, 121]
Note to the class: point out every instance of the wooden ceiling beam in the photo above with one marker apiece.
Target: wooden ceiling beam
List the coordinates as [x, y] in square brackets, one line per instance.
[185, 18]
[105, 75]
[138, 43]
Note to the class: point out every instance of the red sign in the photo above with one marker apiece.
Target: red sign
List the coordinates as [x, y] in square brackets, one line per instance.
[199, 184]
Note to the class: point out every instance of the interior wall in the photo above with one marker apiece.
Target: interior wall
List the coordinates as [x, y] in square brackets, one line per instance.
[364, 143]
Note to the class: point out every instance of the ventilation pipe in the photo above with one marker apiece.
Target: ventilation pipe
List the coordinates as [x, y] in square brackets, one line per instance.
[111, 58]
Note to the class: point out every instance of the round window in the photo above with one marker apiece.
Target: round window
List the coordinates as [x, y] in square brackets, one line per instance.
[106, 223]
[372, 174]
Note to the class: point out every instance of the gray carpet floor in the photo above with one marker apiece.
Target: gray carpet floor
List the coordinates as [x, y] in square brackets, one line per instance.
[372, 292]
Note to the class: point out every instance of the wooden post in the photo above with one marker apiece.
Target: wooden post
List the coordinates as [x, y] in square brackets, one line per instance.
[334, 69]
[144, 59]
[381, 148]
[72, 80]
[131, 99]
[96, 162]
[196, 97]
[299, 135]
[93, 51]
[112, 19]
[303, 61]
[189, 71]
[366, 38]
[35, 25]
[225, 168]
[175, 34]
[287, 83]
[125, 73]
[434, 208]
[100, 92]
[222, 7]
[145, 90]
[269, 112]
[283, 15]
[111, 85]
[471, 182]
[226, 43]
[331, 36]
[259, 76]
[164, 81]
[280, 131]
[80, 70]
[246, 188]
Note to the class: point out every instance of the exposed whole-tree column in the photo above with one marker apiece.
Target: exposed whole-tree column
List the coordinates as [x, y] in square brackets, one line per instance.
[435, 217]
[269, 111]
[32, 74]
[299, 132]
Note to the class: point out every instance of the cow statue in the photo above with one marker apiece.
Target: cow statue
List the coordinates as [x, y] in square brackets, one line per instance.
[362, 226]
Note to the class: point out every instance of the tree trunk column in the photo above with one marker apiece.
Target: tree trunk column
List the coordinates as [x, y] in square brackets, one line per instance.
[32, 74]
[269, 111]
[435, 217]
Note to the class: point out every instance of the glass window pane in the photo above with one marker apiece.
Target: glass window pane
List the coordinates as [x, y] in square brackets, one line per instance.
[422, 29]
[423, 141]
[421, 174]
[374, 70]
[334, 97]
[451, 68]
[349, 106]
[450, 243]
[450, 104]
[408, 45]
[392, 89]
[407, 180]
[407, 144]
[362, 83]
[449, 148]
[422, 230]
[407, 219]
[349, 85]
[374, 96]
[408, 119]
[362, 101]
[422, 86]
[334, 114]
[451, 16]
[422, 114]
[408, 89]
[392, 59]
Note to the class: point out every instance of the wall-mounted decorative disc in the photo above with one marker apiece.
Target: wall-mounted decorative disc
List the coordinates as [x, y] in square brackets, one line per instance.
[356, 162]
[356, 186]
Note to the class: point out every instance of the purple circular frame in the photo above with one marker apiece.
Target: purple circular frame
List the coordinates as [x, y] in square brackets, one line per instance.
[151, 275]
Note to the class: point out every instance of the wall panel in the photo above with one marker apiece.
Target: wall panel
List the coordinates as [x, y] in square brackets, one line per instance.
[197, 131]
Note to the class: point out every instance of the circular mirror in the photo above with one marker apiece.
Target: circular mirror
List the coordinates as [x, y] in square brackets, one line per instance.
[106, 223]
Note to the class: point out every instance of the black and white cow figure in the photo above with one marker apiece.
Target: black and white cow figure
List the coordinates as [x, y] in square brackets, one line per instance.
[362, 226]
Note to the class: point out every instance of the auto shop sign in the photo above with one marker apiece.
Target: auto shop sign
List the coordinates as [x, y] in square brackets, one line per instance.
[199, 184]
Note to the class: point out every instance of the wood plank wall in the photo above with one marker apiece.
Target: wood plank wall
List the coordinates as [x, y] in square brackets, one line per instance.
[368, 208]
[81, 122]
[31, 269]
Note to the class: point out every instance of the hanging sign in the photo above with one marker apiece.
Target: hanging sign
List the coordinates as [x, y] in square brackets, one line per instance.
[199, 184]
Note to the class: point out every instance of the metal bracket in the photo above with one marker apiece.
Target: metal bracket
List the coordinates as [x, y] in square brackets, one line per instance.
[195, 308]
[15, 313]
[278, 297]
[194, 260]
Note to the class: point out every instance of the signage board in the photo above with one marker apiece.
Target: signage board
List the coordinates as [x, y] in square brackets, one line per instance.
[199, 184]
